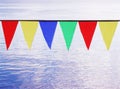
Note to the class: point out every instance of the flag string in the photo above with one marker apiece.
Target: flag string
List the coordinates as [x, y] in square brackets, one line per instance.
[68, 27]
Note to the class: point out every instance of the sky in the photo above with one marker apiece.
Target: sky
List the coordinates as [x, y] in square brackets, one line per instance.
[60, 9]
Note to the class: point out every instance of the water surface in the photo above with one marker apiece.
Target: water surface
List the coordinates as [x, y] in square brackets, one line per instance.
[58, 68]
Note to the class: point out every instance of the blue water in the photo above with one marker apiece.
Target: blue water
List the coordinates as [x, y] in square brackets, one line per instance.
[37, 74]
[14, 76]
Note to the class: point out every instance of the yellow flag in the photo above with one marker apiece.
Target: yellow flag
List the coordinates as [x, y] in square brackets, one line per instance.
[107, 31]
[29, 29]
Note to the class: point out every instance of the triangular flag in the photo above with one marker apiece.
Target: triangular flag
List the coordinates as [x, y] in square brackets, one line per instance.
[48, 29]
[68, 29]
[29, 29]
[87, 29]
[107, 31]
[9, 28]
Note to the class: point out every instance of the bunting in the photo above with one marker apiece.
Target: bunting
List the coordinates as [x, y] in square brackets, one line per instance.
[29, 29]
[107, 31]
[87, 29]
[9, 28]
[48, 29]
[68, 29]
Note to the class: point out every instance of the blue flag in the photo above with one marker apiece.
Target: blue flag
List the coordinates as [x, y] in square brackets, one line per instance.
[48, 29]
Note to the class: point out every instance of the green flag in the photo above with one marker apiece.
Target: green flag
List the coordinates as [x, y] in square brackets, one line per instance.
[68, 29]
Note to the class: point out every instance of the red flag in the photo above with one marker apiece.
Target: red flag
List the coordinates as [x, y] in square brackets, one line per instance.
[9, 28]
[87, 29]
